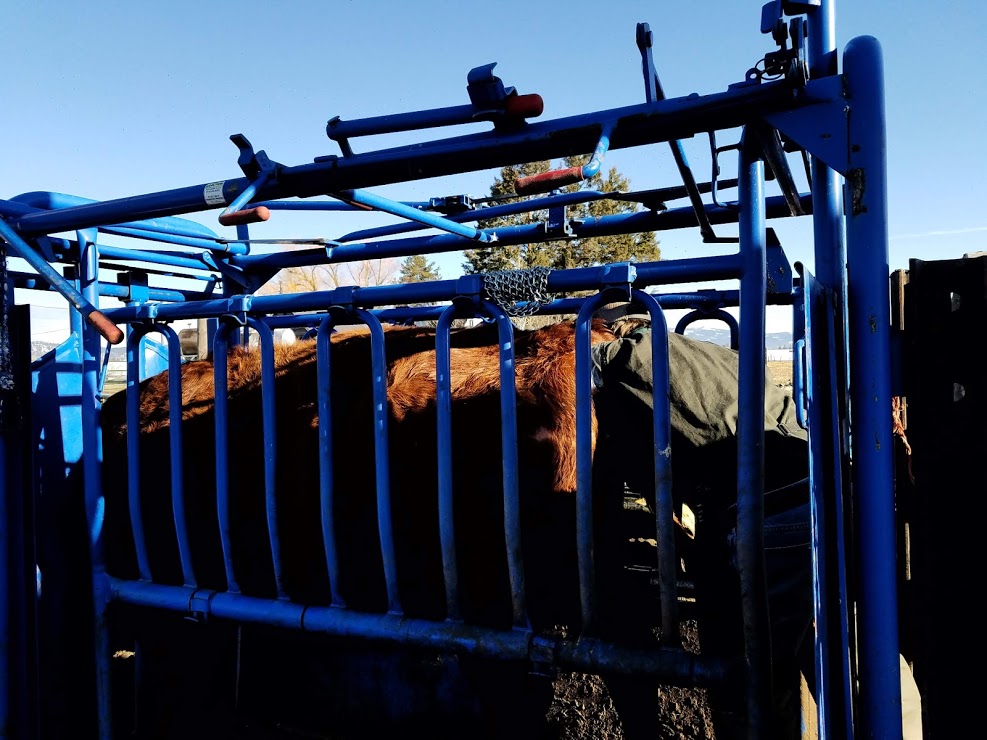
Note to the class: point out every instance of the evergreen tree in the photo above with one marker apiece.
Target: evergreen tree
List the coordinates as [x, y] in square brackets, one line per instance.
[418, 269]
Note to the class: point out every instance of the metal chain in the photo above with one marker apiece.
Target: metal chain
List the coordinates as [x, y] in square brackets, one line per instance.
[508, 288]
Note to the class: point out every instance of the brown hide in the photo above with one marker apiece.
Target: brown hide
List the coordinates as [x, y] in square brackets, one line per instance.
[545, 381]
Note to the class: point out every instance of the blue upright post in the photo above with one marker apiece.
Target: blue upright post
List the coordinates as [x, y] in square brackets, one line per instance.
[92, 457]
[870, 384]
[834, 693]
[10, 535]
[750, 436]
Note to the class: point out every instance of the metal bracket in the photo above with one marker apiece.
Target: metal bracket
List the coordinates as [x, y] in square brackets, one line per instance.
[146, 313]
[259, 169]
[618, 279]
[451, 205]
[238, 308]
[558, 224]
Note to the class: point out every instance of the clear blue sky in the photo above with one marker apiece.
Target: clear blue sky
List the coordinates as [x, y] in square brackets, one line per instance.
[109, 99]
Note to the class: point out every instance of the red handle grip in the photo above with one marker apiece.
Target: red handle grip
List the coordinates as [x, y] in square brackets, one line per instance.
[548, 181]
[524, 106]
[246, 216]
[107, 329]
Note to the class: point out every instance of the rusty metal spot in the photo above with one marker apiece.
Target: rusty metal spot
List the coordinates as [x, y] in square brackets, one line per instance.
[856, 180]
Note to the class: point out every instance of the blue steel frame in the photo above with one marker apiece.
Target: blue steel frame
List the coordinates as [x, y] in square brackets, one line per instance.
[842, 344]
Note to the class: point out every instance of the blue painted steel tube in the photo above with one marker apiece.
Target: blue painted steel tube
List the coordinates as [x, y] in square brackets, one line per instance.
[171, 230]
[133, 453]
[586, 654]
[664, 505]
[92, 483]
[633, 126]
[584, 464]
[174, 440]
[666, 271]
[750, 437]
[508, 442]
[700, 299]
[365, 198]
[186, 241]
[30, 281]
[24, 250]
[443, 421]
[224, 502]
[40, 201]
[679, 218]
[378, 360]
[482, 214]
[835, 682]
[11, 537]
[66, 249]
[326, 460]
[269, 416]
[870, 385]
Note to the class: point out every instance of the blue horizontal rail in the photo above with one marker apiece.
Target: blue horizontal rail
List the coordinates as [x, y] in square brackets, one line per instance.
[634, 223]
[636, 125]
[589, 655]
[723, 267]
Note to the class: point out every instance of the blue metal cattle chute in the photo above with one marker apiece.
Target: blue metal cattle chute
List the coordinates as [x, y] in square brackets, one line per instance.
[170, 269]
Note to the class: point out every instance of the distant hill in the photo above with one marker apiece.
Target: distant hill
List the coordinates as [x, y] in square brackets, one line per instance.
[773, 340]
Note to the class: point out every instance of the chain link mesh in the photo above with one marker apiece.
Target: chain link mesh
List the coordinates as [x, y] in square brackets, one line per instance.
[518, 292]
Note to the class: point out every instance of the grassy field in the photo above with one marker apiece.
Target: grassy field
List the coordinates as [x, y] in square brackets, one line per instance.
[781, 372]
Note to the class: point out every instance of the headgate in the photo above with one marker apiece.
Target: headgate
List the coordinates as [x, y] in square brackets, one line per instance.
[802, 103]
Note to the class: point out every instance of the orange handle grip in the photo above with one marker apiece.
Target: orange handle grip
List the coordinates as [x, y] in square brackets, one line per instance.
[246, 216]
[548, 181]
[107, 329]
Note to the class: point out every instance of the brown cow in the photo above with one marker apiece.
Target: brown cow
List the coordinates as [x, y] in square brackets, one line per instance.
[545, 382]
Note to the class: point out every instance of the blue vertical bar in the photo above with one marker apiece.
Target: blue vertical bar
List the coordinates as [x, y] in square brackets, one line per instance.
[870, 384]
[11, 533]
[508, 441]
[326, 484]
[664, 505]
[221, 396]
[385, 525]
[269, 417]
[585, 555]
[177, 456]
[9, 538]
[832, 646]
[443, 421]
[134, 337]
[92, 460]
[834, 699]
[750, 436]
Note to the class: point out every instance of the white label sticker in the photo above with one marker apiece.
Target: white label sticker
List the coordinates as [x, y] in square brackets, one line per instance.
[213, 194]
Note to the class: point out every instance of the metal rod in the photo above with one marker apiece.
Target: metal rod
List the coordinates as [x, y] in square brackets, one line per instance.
[664, 505]
[381, 458]
[327, 491]
[443, 420]
[224, 503]
[750, 439]
[365, 198]
[270, 437]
